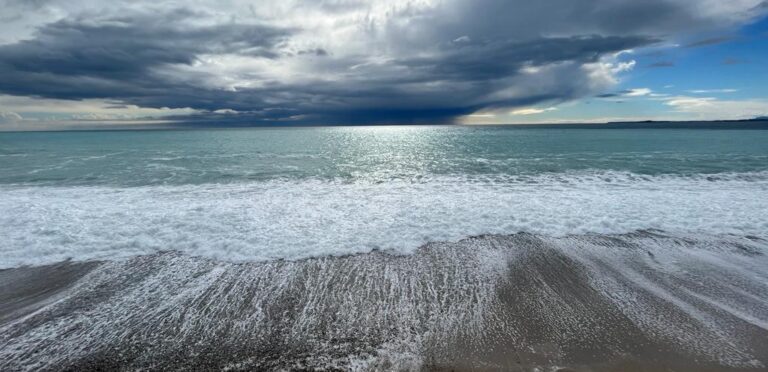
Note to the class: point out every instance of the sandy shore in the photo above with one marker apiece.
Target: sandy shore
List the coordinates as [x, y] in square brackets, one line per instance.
[25, 290]
[644, 302]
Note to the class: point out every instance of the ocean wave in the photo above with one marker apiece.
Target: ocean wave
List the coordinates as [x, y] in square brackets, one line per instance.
[289, 219]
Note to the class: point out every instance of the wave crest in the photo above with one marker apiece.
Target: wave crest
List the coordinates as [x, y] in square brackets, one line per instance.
[282, 219]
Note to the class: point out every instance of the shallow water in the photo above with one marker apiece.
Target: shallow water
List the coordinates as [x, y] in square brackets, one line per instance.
[262, 194]
[377, 154]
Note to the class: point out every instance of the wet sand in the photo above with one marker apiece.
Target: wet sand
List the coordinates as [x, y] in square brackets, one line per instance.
[638, 302]
[25, 290]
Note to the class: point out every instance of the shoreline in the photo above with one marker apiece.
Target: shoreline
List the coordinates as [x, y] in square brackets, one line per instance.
[642, 301]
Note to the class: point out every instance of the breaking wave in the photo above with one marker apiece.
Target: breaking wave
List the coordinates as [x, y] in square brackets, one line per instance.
[297, 219]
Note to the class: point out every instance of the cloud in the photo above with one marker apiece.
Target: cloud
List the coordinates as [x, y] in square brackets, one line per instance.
[68, 108]
[532, 111]
[636, 92]
[709, 108]
[301, 61]
[120, 58]
[711, 91]
[462, 40]
[662, 64]
[8, 117]
[709, 42]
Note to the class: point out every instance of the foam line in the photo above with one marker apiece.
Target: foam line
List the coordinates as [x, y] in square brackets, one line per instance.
[288, 219]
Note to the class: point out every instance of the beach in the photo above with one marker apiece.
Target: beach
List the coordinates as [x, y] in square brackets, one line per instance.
[393, 248]
[384, 185]
[641, 301]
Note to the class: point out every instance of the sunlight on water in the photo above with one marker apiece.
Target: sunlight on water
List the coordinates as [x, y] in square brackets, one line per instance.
[373, 153]
[262, 194]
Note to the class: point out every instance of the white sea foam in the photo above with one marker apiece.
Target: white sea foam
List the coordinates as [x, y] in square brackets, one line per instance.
[299, 219]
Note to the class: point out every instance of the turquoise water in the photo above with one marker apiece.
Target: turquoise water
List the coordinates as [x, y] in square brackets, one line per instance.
[141, 158]
[265, 194]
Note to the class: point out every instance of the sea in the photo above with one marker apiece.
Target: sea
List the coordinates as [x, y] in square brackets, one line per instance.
[264, 194]
[385, 247]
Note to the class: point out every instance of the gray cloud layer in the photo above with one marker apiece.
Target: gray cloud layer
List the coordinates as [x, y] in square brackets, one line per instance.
[338, 61]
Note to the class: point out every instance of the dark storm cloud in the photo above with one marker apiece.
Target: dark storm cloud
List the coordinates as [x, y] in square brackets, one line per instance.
[114, 59]
[492, 60]
[418, 66]
[76, 59]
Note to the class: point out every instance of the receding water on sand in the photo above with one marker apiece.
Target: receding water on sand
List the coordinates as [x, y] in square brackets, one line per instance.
[642, 301]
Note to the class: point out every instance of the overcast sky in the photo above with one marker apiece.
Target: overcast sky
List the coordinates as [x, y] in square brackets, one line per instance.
[230, 62]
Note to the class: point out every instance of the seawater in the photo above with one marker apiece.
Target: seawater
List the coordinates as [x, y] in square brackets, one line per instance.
[292, 193]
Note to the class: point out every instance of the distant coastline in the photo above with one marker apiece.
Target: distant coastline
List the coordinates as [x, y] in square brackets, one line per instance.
[756, 123]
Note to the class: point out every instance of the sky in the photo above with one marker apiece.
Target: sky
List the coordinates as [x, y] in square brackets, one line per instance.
[105, 64]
